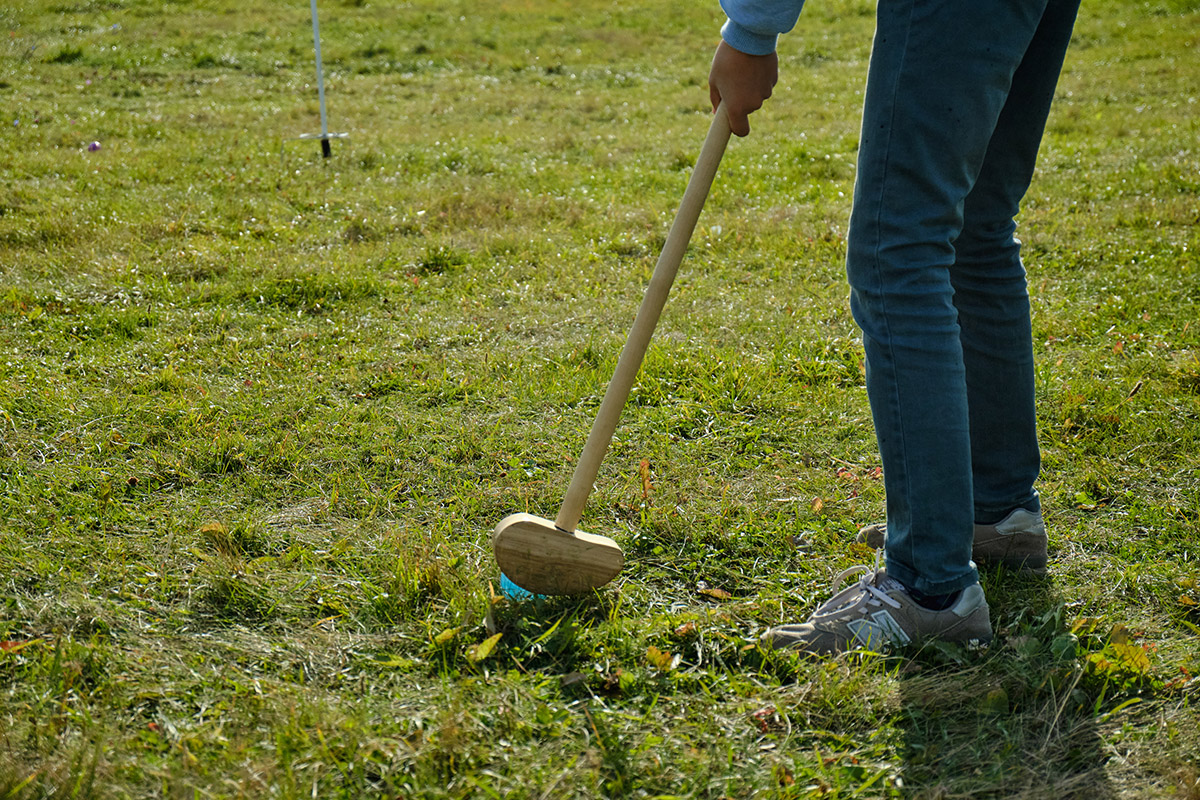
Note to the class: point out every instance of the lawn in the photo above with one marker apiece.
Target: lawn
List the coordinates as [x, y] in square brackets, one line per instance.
[260, 411]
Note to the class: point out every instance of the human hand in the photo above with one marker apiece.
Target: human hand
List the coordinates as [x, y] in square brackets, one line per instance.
[743, 82]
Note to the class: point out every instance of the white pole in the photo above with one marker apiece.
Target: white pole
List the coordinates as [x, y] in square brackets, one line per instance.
[320, 81]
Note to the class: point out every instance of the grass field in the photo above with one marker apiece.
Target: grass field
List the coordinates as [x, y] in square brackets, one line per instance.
[260, 411]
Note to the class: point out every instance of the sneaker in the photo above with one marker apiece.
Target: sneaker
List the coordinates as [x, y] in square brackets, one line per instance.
[877, 613]
[1018, 541]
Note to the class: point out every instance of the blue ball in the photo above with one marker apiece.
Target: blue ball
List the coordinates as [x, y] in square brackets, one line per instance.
[514, 592]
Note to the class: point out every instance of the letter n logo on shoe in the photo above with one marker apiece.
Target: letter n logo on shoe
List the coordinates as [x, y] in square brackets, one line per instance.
[878, 630]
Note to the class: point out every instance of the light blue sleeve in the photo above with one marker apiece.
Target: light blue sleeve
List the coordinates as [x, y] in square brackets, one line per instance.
[754, 25]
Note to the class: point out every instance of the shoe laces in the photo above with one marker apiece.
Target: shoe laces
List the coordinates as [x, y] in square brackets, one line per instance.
[865, 592]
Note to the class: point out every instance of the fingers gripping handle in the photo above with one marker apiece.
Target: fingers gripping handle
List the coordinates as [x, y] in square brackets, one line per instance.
[634, 351]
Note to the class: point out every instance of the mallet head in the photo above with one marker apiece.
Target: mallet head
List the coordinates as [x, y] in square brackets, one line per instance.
[542, 558]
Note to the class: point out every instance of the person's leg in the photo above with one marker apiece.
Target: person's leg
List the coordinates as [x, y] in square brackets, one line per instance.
[990, 289]
[939, 76]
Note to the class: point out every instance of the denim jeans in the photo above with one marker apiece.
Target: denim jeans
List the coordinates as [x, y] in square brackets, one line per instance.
[957, 97]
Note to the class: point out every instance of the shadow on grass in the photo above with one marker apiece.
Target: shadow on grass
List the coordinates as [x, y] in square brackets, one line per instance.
[1018, 723]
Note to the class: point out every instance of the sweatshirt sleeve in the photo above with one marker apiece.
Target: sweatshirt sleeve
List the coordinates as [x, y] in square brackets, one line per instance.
[754, 25]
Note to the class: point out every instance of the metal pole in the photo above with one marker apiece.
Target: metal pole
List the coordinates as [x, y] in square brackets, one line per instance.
[325, 150]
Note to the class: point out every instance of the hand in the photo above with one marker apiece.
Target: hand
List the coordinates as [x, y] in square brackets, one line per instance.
[743, 81]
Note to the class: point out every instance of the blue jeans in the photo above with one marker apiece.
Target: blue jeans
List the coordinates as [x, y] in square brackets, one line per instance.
[957, 98]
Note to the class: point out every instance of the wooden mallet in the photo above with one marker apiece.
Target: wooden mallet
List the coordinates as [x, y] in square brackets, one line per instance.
[553, 558]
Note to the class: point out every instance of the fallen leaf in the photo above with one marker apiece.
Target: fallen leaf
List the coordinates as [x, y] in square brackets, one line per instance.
[764, 717]
[715, 593]
[484, 649]
[1133, 657]
[660, 660]
[647, 487]
[686, 630]
[446, 636]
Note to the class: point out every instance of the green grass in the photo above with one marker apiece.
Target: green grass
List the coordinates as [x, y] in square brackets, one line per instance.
[259, 413]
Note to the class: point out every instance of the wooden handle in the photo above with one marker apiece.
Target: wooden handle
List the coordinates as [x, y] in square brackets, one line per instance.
[643, 326]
